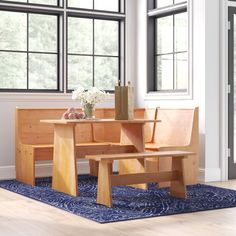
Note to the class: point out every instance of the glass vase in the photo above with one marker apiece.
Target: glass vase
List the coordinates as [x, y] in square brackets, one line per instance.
[88, 110]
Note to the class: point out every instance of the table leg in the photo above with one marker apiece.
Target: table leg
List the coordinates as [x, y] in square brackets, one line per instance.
[133, 133]
[93, 167]
[64, 160]
[178, 187]
[104, 193]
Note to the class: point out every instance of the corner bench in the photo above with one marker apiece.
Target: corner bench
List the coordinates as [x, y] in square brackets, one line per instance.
[34, 140]
[177, 175]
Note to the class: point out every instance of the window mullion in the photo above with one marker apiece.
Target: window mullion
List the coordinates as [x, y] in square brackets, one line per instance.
[155, 55]
[27, 49]
[93, 52]
[159, 12]
[64, 49]
[119, 53]
[174, 77]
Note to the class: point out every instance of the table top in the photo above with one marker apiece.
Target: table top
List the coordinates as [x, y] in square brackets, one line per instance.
[95, 120]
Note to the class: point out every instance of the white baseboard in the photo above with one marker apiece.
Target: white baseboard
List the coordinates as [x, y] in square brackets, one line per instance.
[7, 172]
[44, 170]
[209, 174]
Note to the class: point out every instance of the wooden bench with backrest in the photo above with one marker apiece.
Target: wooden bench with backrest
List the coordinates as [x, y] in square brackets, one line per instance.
[177, 174]
[34, 140]
[178, 130]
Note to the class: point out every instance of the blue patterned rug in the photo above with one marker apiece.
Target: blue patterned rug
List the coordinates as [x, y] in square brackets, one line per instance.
[128, 203]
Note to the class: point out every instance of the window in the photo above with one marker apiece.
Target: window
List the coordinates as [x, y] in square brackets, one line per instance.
[93, 53]
[58, 49]
[169, 26]
[28, 51]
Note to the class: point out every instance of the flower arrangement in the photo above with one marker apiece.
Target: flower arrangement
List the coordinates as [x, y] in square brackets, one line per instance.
[88, 98]
[91, 96]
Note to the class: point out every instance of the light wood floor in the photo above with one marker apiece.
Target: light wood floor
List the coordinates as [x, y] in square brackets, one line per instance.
[25, 217]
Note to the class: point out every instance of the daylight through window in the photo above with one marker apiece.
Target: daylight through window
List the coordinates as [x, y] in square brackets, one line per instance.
[45, 47]
[169, 19]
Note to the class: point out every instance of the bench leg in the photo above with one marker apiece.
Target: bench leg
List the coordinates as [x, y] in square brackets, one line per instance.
[178, 187]
[104, 184]
[25, 165]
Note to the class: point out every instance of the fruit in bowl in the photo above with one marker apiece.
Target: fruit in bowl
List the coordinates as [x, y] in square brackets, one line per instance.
[72, 114]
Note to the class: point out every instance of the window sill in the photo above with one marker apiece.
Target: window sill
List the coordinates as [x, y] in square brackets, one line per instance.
[21, 97]
[152, 96]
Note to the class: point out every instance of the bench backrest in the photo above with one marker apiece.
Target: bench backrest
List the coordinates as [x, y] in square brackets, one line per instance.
[29, 130]
[178, 127]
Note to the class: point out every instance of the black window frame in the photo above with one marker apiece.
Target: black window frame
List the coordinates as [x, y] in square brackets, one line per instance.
[63, 13]
[152, 75]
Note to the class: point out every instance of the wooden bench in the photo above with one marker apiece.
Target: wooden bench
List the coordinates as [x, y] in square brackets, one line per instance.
[177, 175]
[34, 140]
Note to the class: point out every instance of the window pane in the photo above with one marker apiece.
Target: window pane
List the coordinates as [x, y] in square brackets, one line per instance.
[165, 35]
[80, 3]
[42, 71]
[80, 72]
[42, 33]
[106, 5]
[163, 3]
[80, 35]
[106, 37]
[165, 72]
[13, 70]
[181, 70]
[181, 32]
[13, 31]
[106, 72]
[46, 2]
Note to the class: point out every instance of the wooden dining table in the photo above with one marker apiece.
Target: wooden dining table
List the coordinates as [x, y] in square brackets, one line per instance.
[64, 177]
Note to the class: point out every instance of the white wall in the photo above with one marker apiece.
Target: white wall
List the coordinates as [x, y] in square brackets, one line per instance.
[131, 41]
[204, 17]
[212, 81]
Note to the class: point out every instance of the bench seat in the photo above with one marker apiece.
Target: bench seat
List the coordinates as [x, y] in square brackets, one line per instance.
[27, 155]
[177, 174]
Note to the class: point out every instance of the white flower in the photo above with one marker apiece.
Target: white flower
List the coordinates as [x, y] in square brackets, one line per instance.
[91, 96]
